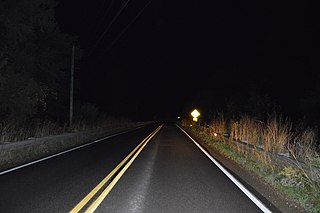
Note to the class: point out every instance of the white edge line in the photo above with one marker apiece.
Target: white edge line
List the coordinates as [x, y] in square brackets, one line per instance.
[251, 196]
[63, 152]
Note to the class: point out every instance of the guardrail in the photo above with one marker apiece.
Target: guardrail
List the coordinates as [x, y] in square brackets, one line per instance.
[281, 158]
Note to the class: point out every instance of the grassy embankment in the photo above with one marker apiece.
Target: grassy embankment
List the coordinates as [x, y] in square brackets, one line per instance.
[12, 132]
[287, 159]
[23, 143]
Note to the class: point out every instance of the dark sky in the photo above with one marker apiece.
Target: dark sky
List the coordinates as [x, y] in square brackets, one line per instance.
[180, 54]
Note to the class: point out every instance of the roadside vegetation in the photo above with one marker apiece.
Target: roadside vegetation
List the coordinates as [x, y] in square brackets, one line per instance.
[87, 118]
[21, 143]
[35, 65]
[285, 156]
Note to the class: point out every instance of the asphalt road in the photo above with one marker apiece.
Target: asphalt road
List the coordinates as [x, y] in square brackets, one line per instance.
[170, 174]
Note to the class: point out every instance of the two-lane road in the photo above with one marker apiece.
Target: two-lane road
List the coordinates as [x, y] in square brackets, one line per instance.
[166, 172]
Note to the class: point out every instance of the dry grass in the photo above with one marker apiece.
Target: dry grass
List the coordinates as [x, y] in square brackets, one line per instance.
[303, 145]
[250, 133]
[218, 126]
[12, 132]
[298, 176]
[303, 149]
[264, 140]
[277, 135]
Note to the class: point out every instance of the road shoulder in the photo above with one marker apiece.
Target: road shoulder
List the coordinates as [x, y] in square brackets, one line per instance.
[277, 199]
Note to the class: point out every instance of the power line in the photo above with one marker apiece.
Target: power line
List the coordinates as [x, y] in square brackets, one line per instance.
[130, 23]
[109, 26]
[103, 14]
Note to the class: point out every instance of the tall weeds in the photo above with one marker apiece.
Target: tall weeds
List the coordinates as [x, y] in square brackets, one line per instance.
[249, 132]
[303, 149]
[12, 132]
[265, 141]
[277, 135]
[297, 174]
[218, 125]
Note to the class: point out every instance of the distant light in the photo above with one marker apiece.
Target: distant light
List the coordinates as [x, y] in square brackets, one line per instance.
[190, 124]
[178, 117]
[215, 134]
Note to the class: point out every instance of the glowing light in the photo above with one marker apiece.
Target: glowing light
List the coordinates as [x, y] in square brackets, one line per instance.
[215, 134]
[195, 113]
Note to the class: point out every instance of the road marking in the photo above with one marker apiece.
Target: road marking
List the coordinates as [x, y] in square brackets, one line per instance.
[63, 152]
[251, 196]
[106, 191]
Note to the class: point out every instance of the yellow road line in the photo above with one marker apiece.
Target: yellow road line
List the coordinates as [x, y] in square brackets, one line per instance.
[85, 200]
[102, 196]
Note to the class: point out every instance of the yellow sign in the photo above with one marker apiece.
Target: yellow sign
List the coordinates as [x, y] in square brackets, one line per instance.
[195, 119]
[195, 113]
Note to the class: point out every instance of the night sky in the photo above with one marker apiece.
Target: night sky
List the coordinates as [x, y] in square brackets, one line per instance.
[180, 54]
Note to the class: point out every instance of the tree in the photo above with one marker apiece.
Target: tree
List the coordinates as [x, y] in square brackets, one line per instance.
[34, 59]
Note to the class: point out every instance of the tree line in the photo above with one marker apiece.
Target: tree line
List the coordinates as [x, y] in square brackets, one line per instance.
[34, 62]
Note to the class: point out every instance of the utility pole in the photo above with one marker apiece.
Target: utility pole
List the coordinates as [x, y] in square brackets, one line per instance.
[71, 85]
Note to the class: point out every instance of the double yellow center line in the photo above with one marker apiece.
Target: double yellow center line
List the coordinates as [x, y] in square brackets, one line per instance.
[120, 169]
